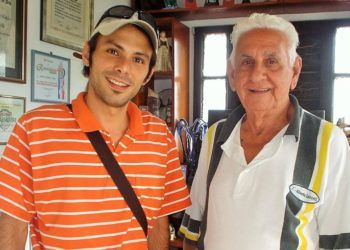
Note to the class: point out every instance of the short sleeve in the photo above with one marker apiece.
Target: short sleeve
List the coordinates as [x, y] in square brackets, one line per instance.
[176, 196]
[16, 182]
[334, 213]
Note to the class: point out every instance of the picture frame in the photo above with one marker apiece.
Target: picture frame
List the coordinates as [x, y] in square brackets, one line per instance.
[66, 23]
[11, 109]
[13, 33]
[50, 78]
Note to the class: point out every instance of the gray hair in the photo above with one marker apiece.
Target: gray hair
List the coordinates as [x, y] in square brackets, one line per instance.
[266, 21]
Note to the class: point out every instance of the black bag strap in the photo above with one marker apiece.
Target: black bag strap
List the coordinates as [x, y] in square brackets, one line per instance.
[118, 176]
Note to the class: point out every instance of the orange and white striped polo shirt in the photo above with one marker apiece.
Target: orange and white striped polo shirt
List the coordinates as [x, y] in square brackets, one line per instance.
[52, 178]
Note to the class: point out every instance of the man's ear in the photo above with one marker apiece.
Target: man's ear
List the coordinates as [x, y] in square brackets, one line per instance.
[298, 63]
[230, 74]
[86, 54]
[149, 76]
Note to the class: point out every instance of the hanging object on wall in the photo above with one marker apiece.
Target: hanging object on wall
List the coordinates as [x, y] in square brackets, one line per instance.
[190, 4]
[148, 4]
[211, 2]
[246, 1]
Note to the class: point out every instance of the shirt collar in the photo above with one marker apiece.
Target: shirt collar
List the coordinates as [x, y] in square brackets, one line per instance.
[87, 121]
[236, 115]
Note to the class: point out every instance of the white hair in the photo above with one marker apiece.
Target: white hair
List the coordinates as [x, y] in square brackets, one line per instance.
[266, 21]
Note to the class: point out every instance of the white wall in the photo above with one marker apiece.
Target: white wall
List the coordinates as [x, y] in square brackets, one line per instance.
[77, 82]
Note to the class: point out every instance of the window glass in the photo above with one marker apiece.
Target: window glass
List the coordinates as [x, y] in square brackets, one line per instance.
[214, 96]
[215, 55]
[342, 51]
[341, 100]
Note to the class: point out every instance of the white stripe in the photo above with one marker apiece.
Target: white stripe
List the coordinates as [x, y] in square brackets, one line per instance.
[47, 118]
[172, 149]
[81, 237]
[148, 187]
[85, 213]
[67, 164]
[10, 160]
[23, 143]
[168, 139]
[153, 123]
[130, 137]
[13, 148]
[146, 176]
[177, 201]
[53, 129]
[172, 160]
[176, 180]
[155, 133]
[142, 164]
[10, 174]
[175, 191]
[58, 140]
[95, 177]
[74, 189]
[12, 215]
[142, 152]
[80, 200]
[172, 171]
[122, 144]
[151, 208]
[72, 176]
[11, 188]
[25, 159]
[65, 152]
[21, 126]
[27, 188]
[13, 203]
[152, 197]
[26, 174]
[151, 142]
[88, 224]
[46, 109]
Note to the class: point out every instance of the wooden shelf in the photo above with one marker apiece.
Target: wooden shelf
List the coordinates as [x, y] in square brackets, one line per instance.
[238, 10]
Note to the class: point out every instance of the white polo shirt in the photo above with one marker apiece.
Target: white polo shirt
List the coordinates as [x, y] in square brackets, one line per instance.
[260, 205]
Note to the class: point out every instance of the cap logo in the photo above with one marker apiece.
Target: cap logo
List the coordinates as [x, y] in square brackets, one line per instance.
[304, 194]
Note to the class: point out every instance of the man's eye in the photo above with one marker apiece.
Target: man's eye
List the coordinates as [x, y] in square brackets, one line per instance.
[112, 51]
[272, 61]
[139, 60]
[247, 62]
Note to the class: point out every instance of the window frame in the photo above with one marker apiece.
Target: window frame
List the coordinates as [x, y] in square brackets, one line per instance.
[199, 78]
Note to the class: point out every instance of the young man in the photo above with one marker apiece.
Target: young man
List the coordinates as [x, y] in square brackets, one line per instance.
[50, 175]
[275, 176]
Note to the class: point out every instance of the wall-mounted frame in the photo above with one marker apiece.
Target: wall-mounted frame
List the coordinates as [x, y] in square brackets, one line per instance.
[66, 23]
[13, 15]
[50, 79]
[11, 108]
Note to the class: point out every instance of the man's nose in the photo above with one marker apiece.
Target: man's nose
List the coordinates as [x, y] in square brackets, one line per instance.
[258, 72]
[122, 65]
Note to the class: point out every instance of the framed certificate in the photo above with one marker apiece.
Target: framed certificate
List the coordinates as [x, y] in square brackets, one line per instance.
[50, 78]
[66, 23]
[11, 108]
[13, 40]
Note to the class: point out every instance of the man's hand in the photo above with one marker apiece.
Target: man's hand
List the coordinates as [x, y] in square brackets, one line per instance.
[13, 233]
[159, 236]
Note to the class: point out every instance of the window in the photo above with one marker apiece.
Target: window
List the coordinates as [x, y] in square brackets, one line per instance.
[341, 91]
[211, 89]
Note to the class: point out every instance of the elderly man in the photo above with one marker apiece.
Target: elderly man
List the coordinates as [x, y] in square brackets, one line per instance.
[272, 175]
[52, 174]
